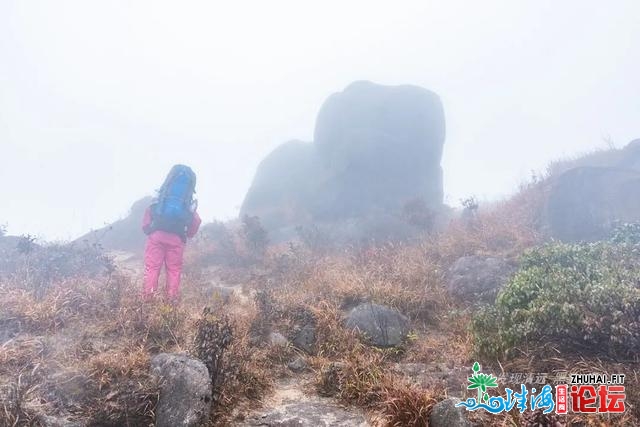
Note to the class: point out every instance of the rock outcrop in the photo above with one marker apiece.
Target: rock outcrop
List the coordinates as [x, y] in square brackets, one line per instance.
[586, 203]
[376, 148]
[588, 196]
[284, 186]
[122, 235]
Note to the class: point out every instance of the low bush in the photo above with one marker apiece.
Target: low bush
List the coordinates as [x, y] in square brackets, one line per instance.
[36, 268]
[573, 297]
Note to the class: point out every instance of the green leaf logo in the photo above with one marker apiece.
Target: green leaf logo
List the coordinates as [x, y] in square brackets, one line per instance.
[481, 382]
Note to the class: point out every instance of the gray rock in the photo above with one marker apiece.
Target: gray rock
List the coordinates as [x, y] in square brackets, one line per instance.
[384, 145]
[585, 203]
[69, 388]
[305, 338]
[282, 189]
[277, 339]
[478, 277]
[298, 364]
[382, 326]
[185, 391]
[446, 414]
[376, 147]
[124, 234]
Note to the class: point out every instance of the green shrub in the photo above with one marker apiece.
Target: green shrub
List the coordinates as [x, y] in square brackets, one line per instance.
[575, 297]
[627, 233]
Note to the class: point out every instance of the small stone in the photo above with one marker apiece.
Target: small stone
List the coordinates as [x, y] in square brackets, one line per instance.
[277, 339]
[305, 338]
[298, 364]
[446, 414]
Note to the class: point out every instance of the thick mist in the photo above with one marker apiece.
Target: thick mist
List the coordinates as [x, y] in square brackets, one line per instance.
[99, 99]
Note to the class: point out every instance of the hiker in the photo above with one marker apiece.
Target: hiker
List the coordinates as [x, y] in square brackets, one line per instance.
[169, 221]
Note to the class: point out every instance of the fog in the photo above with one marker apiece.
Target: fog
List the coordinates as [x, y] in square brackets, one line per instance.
[99, 99]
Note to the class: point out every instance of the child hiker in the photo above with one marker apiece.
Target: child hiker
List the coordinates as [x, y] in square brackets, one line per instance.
[169, 221]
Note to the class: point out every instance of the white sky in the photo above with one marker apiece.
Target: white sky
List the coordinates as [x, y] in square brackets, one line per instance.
[99, 98]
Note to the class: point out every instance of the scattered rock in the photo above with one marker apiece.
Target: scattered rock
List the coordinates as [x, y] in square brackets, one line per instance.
[478, 277]
[185, 391]
[305, 338]
[277, 339]
[298, 364]
[381, 325]
[446, 414]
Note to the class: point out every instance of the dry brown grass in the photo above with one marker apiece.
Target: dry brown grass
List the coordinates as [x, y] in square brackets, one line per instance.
[18, 404]
[104, 331]
[21, 352]
[405, 405]
[506, 228]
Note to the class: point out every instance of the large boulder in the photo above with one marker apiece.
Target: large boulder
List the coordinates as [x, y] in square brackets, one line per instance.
[585, 203]
[478, 278]
[284, 185]
[376, 148]
[383, 146]
[122, 235]
[185, 391]
[381, 326]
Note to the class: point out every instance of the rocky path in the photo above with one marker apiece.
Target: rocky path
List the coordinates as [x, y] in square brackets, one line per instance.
[290, 406]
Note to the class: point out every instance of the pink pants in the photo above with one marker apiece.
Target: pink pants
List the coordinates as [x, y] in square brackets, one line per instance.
[163, 249]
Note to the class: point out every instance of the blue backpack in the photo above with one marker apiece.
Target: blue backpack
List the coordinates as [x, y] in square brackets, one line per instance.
[173, 211]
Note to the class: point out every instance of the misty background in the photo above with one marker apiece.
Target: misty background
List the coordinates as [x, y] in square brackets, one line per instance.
[99, 99]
